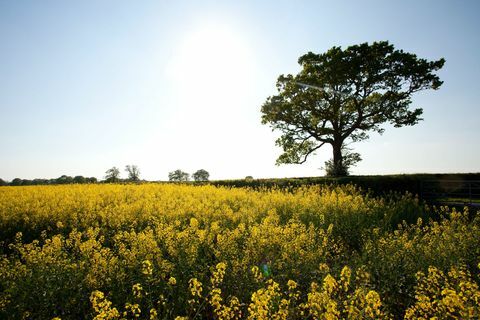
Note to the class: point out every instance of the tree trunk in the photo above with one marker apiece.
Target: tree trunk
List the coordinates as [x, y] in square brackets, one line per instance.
[338, 169]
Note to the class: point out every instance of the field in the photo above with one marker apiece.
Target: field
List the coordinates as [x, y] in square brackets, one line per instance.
[173, 251]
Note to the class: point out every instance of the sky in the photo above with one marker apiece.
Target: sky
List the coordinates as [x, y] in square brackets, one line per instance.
[166, 85]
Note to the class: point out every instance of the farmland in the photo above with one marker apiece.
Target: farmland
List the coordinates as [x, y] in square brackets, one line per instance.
[174, 251]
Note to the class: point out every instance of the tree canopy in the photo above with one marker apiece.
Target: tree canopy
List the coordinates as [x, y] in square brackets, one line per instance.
[201, 175]
[178, 175]
[342, 95]
[133, 172]
[112, 174]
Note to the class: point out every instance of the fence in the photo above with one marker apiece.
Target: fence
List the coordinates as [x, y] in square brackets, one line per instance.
[466, 192]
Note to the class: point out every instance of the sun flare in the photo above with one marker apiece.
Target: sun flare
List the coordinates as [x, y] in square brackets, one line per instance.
[211, 63]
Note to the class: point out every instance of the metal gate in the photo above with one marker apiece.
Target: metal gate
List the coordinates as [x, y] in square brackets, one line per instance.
[455, 192]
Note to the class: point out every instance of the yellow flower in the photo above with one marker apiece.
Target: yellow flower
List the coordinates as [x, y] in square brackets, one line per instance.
[147, 268]
[193, 223]
[196, 289]
[134, 309]
[323, 267]
[257, 275]
[153, 314]
[218, 274]
[137, 290]
[291, 285]
[102, 306]
[329, 284]
[345, 276]
[172, 281]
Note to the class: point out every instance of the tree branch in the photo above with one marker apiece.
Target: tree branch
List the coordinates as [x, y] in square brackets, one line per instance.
[310, 152]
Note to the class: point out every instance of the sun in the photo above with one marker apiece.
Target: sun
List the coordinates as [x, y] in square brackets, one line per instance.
[211, 76]
[211, 63]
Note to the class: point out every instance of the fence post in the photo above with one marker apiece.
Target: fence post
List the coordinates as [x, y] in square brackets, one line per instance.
[421, 190]
[470, 191]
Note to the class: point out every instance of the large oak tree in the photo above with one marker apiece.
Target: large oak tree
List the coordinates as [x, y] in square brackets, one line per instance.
[342, 95]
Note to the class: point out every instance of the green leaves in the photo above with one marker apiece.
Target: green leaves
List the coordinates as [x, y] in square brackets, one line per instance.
[342, 94]
[294, 151]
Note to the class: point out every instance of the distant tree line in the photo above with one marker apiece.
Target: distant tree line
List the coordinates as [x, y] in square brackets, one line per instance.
[64, 179]
[112, 175]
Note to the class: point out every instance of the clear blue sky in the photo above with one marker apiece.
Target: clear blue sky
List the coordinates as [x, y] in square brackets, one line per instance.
[87, 85]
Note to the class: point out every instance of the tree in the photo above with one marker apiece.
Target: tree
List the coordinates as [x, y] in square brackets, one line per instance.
[64, 179]
[16, 182]
[133, 172]
[91, 180]
[349, 159]
[340, 96]
[112, 174]
[40, 181]
[201, 175]
[79, 179]
[178, 175]
[3, 182]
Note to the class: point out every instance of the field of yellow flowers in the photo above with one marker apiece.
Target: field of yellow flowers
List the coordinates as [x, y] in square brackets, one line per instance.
[172, 251]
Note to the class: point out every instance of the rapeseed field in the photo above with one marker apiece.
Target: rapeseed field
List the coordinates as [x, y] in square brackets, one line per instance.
[174, 251]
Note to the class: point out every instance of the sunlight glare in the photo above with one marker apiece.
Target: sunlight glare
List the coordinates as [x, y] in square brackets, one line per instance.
[212, 65]
[211, 78]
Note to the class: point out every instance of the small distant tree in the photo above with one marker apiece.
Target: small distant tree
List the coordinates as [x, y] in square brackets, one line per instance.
[3, 182]
[79, 179]
[91, 180]
[16, 182]
[40, 181]
[112, 175]
[64, 179]
[178, 175]
[201, 175]
[133, 172]
[248, 178]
